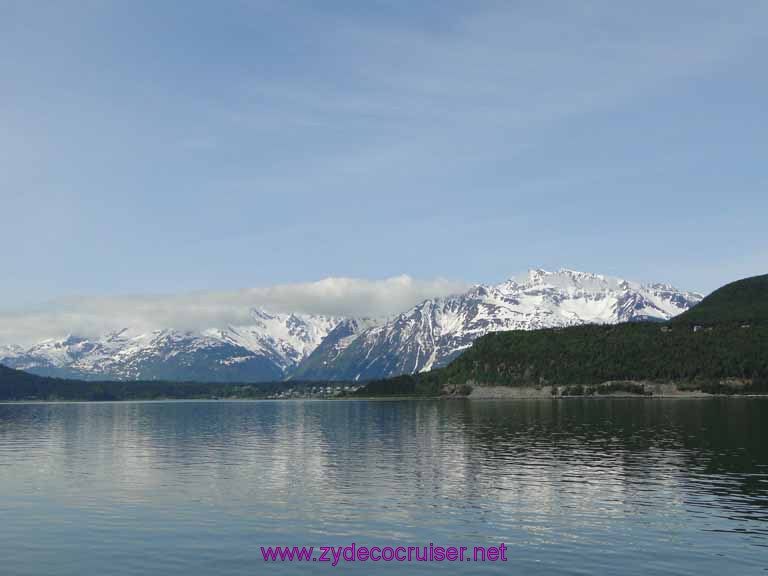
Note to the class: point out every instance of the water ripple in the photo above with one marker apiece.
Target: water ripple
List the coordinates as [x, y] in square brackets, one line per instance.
[572, 487]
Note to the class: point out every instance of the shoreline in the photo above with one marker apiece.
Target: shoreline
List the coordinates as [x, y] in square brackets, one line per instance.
[729, 388]
[474, 398]
[555, 392]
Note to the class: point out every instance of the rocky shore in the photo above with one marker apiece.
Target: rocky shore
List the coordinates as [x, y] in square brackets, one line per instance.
[625, 388]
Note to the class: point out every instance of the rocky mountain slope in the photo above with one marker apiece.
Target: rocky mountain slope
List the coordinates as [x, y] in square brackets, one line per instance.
[436, 331]
[265, 349]
[719, 347]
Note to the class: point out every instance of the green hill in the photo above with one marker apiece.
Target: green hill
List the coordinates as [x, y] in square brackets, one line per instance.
[743, 301]
[719, 346]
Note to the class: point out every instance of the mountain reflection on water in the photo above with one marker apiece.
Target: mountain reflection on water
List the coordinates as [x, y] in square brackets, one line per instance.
[582, 486]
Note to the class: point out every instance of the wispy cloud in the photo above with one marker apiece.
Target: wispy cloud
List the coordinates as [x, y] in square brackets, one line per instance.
[200, 310]
[416, 108]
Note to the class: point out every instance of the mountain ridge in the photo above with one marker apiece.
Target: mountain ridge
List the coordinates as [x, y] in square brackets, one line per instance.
[726, 355]
[436, 331]
[257, 352]
[315, 347]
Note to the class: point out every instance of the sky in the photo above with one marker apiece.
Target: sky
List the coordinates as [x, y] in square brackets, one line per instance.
[166, 149]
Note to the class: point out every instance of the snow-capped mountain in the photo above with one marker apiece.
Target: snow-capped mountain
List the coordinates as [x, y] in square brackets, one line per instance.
[325, 356]
[434, 332]
[279, 346]
[263, 350]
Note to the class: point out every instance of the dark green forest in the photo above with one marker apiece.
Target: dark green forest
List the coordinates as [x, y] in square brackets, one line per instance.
[740, 302]
[16, 385]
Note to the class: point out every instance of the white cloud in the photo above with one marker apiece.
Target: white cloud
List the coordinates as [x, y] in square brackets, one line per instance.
[200, 310]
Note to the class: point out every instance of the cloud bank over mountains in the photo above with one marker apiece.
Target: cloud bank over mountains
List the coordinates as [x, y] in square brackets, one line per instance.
[340, 296]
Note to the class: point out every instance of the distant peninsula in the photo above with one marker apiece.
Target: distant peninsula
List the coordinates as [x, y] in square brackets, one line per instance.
[20, 386]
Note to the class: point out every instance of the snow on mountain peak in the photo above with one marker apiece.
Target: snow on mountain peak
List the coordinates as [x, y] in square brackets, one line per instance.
[272, 346]
[434, 332]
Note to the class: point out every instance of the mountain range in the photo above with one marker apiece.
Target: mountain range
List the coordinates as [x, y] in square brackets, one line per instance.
[274, 346]
[265, 349]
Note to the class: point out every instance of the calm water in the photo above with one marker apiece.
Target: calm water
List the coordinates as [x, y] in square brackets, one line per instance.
[572, 487]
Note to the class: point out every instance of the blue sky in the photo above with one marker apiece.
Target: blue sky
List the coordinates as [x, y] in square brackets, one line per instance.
[169, 147]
